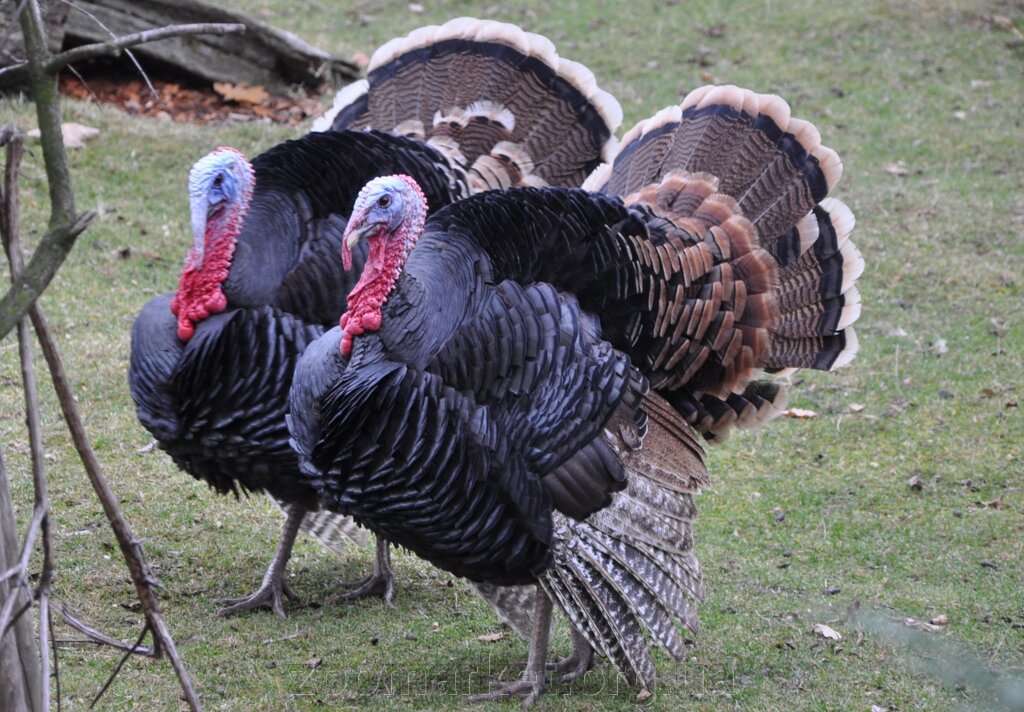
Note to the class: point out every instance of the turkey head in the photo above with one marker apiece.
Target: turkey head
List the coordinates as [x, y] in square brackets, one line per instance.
[220, 187]
[389, 213]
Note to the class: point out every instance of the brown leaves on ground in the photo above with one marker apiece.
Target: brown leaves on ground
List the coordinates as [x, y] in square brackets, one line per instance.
[230, 102]
[490, 637]
[242, 93]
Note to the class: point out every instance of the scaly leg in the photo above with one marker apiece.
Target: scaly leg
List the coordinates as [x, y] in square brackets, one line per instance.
[269, 594]
[380, 583]
[531, 684]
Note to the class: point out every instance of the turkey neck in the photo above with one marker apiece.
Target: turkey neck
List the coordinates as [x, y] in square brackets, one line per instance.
[387, 257]
[200, 292]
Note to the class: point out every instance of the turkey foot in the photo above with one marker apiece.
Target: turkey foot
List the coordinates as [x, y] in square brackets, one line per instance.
[578, 662]
[531, 685]
[380, 583]
[270, 593]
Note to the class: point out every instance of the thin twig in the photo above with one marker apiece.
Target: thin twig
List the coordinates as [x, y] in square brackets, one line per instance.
[20, 568]
[12, 246]
[128, 52]
[56, 663]
[130, 549]
[97, 637]
[44, 650]
[114, 46]
[120, 664]
[13, 67]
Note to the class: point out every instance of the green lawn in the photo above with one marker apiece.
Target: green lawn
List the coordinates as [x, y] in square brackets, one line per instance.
[808, 520]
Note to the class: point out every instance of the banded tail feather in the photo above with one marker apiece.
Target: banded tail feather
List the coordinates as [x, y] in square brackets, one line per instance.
[335, 532]
[498, 102]
[741, 189]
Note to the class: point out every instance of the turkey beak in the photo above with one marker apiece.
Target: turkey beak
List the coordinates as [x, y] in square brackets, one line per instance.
[356, 231]
[199, 209]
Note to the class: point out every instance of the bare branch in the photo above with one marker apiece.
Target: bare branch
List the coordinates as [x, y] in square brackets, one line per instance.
[13, 68]
[99, 638]
[21, 567]
[44, 649]
[120, 664]
[41, 268]
[114, 47]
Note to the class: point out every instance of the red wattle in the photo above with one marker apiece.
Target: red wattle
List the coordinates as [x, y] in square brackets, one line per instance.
[199, 291]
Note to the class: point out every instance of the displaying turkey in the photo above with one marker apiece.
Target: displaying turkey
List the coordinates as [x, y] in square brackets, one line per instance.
[511, 391]
[465, 106]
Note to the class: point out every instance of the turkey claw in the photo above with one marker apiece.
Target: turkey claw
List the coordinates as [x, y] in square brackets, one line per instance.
[375, 585]
[575, 665]
[269, 595]
[528, 690]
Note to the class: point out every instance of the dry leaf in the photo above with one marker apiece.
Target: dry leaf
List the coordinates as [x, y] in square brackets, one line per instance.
[980, 84]
[939, 347]
[490, 637]
[992, 504]
[915, 483]
[415, 7]
[826, 632]
[799, 413]
[242, 93]
[899, 168]
[876, 708]
[856, 407]
[940, 619]
[960, 115]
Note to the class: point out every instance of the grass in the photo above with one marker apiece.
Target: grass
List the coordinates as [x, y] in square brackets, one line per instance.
[807, 520]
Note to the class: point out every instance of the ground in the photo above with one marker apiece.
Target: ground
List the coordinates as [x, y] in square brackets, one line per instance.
[899, 504]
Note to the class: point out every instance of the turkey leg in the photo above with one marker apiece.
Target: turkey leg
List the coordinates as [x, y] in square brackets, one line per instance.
[531, 684]
[269, 594]
[380, 583]
[579, 661]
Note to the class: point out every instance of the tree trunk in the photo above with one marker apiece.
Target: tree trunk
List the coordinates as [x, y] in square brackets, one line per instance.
[19, 659]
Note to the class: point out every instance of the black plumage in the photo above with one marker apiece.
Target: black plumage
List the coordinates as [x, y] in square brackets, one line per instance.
[529, 407]
[212, 388]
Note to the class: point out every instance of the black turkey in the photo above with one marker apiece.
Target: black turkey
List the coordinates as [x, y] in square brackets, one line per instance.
[510, 392]
[462, 107]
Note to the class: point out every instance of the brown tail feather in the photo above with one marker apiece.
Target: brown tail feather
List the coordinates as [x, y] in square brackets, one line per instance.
[498, 102]
[769, 272]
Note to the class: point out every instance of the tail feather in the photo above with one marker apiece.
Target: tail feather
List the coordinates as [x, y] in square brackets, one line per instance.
[612, 629]
[627, 574]
[335, 532]
[763, 274]
[498, 102]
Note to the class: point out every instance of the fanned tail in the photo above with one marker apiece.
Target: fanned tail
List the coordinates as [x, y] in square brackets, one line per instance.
[627, 575]
[335, 532]
[496, 101]
[740, 187]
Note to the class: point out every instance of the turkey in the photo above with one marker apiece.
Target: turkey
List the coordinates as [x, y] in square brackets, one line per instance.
[462, 107]
[519, 386]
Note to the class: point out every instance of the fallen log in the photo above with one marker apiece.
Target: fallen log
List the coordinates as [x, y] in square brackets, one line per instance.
[262, 56]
